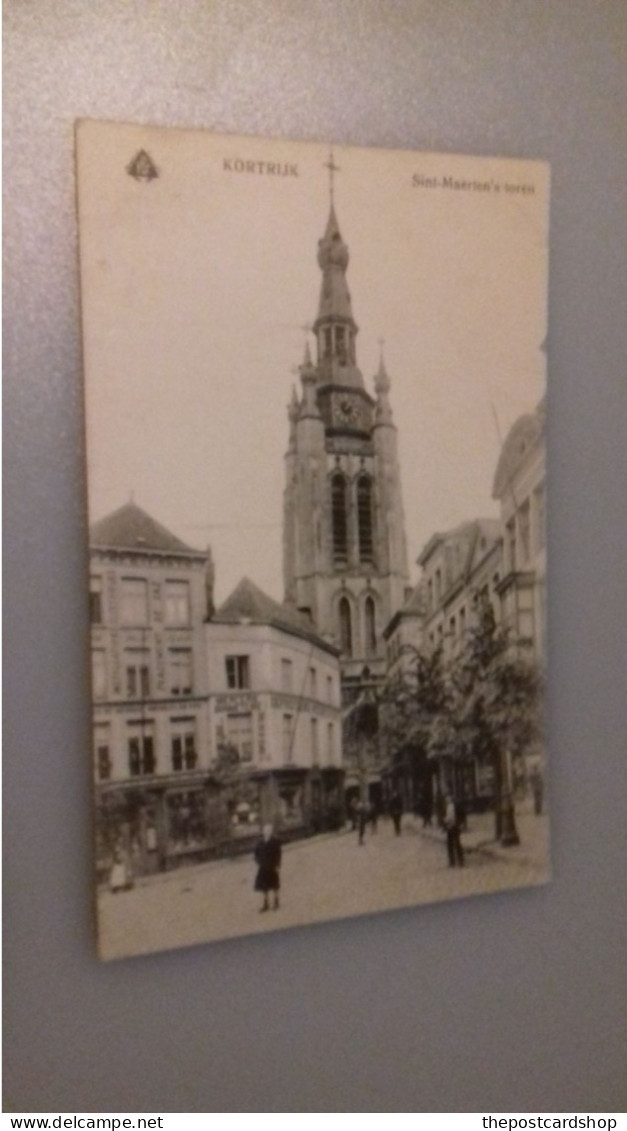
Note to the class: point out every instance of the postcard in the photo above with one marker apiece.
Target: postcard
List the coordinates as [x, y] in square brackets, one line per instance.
[315, 410]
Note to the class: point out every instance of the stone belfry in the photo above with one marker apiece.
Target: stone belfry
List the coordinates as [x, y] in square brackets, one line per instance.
[345, 558]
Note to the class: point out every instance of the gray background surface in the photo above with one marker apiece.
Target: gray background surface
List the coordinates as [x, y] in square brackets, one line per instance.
[508, 1002]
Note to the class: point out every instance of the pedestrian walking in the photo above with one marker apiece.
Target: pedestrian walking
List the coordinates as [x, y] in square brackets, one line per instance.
[426, 810]
[453, 840]
[396, 811]
[362, 812]
[268, 852]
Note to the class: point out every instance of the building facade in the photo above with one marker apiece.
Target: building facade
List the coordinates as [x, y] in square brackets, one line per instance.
[519, 486]
[461, 572]
[404, 634]
[274, 716]
[460, 569]
[149, 597]
[344, 552]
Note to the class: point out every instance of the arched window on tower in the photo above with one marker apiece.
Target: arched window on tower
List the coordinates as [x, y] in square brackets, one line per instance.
[364, 518]
[346, 630]
[339, 519]
[370, 627]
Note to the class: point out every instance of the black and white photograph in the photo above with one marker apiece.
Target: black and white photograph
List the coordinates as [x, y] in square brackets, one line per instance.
[315, 430]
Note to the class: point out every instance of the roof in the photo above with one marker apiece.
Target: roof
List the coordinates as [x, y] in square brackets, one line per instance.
[131, 528]
[464, 530]
[248, 604]
[412, 607]
[471, 532]
[520, 440]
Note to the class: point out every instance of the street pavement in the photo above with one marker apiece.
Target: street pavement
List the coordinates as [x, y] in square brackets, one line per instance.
[325, 877]
[533, 831]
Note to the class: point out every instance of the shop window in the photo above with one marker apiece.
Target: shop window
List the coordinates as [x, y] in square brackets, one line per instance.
[187, 820]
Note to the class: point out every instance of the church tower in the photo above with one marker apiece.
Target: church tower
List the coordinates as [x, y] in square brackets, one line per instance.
[345, 558]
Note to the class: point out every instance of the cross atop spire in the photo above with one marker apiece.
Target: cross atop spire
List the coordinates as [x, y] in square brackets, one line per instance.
[333, 168]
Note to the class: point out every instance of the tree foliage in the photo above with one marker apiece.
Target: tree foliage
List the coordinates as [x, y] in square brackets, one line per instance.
[482, 701]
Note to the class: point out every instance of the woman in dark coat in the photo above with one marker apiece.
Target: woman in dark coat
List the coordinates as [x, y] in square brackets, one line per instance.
[268, 859]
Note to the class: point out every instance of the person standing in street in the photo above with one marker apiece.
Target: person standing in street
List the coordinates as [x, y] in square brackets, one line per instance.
[396, 811]
[268, 852]
[363, 814]
[453, 839]
[426, 810]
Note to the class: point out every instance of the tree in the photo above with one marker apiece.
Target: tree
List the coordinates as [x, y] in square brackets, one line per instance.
[497, 708]
[415, 706]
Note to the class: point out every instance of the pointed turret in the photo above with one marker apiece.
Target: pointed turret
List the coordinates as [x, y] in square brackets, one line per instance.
[309, 381]
[383, 411]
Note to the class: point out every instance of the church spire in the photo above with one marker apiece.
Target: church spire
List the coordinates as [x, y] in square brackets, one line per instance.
[335, 299]
[335, 328]
[333, 168]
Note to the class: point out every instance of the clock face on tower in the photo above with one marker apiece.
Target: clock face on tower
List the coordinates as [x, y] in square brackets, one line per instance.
[347, 411]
